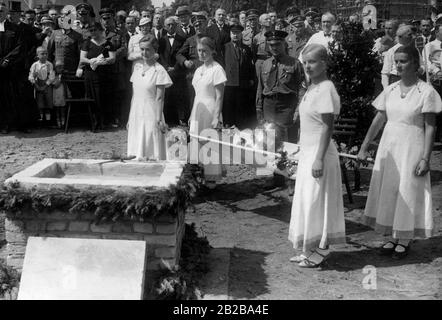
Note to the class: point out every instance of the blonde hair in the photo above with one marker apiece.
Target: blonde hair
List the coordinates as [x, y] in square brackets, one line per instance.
[318, 50]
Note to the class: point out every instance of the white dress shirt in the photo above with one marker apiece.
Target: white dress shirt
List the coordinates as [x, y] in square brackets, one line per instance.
[389, 67]
[430, 48]
[318, 38]
[42, 71]
[171, 38]
[2, 26]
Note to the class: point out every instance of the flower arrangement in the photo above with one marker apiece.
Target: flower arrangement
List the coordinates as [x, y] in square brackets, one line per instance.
[106, 204]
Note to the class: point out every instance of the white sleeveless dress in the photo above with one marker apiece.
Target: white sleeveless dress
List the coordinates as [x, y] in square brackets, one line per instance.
[317, 217]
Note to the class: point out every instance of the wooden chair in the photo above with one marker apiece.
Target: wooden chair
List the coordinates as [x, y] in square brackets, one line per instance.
[73, 99]
[345, 131]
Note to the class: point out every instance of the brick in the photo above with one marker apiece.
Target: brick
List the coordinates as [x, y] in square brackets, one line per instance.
[143, 227]
[79, 226]
[122, 227]
[16, 248]
[88, 235]
[166, 228]
[113, 236]
[14, 225]
[57, 226]
[15, 262]
[166, 218]
[160, 264]
[35, 225]
[101, 228]
[165, 252]
[169, 240]
[16, 237]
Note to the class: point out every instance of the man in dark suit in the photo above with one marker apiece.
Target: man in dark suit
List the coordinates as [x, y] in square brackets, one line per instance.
[185, 30]
[158, 26]
[11, 53]
[188, 57]
[240, 73]
[219, 32]
[175, 101]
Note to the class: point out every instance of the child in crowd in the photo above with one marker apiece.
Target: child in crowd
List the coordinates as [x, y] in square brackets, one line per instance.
[41, 75]
[59, 96]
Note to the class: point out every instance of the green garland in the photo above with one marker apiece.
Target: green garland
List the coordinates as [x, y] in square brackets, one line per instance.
[106, 204]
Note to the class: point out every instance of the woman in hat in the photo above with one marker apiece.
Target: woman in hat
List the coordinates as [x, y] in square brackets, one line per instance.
[209, 81]
[399, 203]
[317, 217]
[146, 126]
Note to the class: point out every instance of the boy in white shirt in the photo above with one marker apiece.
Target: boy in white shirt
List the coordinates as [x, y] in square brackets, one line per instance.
[42, 75]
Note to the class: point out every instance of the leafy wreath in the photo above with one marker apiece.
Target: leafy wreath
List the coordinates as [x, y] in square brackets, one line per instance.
[106, 204]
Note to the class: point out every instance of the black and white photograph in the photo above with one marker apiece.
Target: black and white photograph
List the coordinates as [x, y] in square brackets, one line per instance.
[223, 153]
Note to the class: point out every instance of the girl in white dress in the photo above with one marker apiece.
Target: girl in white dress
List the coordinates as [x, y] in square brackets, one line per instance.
[399, 203]
[146, 126]
[317, 218]
[209, 81]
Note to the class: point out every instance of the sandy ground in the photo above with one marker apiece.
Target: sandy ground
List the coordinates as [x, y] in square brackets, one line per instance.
[246, 220]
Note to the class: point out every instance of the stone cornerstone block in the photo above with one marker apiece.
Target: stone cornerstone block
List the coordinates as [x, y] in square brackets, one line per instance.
[83, 269]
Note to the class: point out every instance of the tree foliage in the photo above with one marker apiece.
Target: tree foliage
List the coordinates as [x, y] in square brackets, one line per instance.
[354, 68]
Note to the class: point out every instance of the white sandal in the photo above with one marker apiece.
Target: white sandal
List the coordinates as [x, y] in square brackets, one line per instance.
[298, 259]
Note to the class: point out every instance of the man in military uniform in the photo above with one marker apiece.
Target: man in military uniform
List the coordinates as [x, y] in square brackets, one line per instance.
[298, 39]
[40, 11]
[252, 31]
[187, 56]
[309, 24]
[260, 48]
[291, 12]
[86, 15]
[117, 84]
[280, 87]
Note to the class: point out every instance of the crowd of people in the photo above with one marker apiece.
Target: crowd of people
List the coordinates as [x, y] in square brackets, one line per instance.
[45, 46]
[147, 71]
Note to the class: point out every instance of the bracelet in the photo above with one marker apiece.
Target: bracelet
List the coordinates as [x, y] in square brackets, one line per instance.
[425, 159]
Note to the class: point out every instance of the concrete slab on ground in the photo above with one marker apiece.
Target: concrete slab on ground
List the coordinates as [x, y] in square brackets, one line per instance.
[83, 269]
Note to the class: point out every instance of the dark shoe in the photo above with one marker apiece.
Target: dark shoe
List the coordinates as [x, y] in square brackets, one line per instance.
[400, 255]
[383, 251]
[4, 130]
[315, 260]
[26, 130]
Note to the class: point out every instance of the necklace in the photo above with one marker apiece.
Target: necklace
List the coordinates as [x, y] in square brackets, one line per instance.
[404, 93]
[204, 69]
[146, 67]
